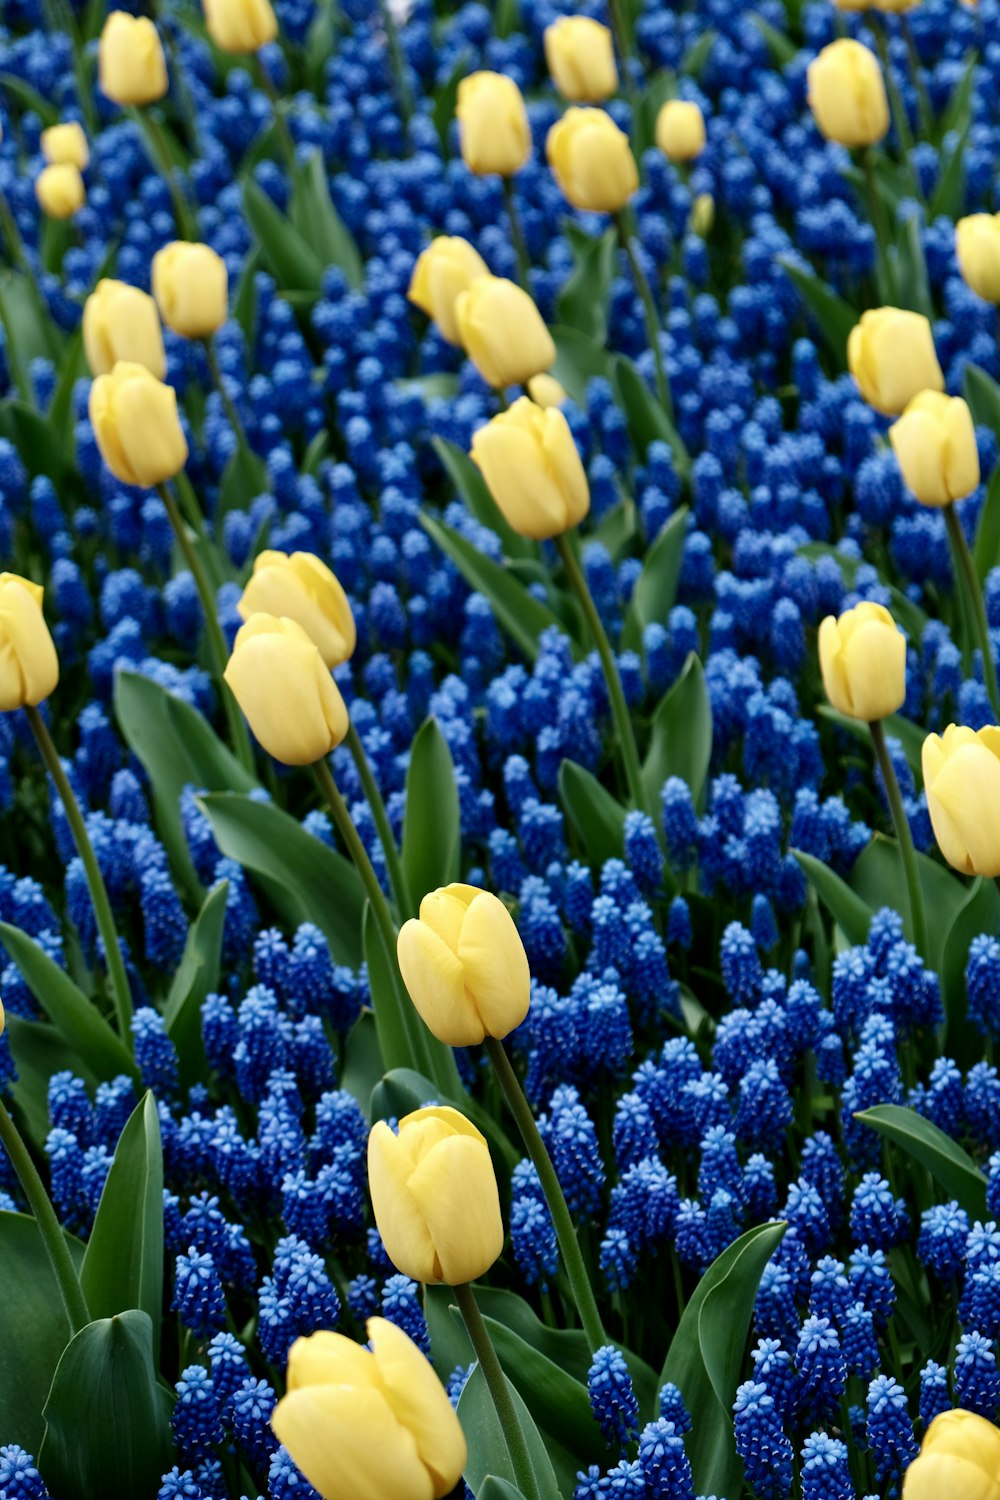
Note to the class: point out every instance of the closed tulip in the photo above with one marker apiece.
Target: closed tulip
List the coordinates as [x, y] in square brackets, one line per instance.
[493, 125]
[285, 690]
[935, 443]
[66, 145]
[502, 332]
[847, 94]
[60, 190]
[240, 25]
[136, 425]
[680, 130]
[592, 161]
[302, 588]
[191, 287]
[959, 1459]
[131, 65]
[545, 390]
[445, 269]
[434, 1196]
[891, 355]
[530, 463]
[120, 322]
[369, 1424]
[862, 657]
[29, 667]
[464, 966]
[962, 781]
[977, 245]
[580, 54]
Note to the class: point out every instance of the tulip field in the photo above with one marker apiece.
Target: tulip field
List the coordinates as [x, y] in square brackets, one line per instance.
[499, 750]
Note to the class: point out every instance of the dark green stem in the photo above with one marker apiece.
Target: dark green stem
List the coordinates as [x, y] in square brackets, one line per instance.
[397, 62]
[499, 1389]
[880, 224]
[620, 29]
[359, 854]
[649, 309]
[903, 834]
[917, 73]
[220, 385]
[394, 865]
[186, 226]
[280, 123]
[974, 594]
[900, 117]
[517, 234]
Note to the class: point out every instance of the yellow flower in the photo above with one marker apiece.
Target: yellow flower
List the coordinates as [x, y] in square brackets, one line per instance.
[464, 966]
[580, 55]
[493, 124]
[285, 690]
[592, 161]
[680, 130]
[847, 94]
[369, 1424]
[434, 1196]
[3, 1018]
[977, 245]
[545, 390]
[240, 25]
[935, 443]
[29, 667]
[891, 355]
[863, 660]
[66, 145]
[191, 287]
[136, 425]
[959, 1459]
[60, 190]
[962, 781]
[446, 268]
[121, 322]
[303, 589]
[702, 216]
[530, 463]
[502, 332]
[131, 65]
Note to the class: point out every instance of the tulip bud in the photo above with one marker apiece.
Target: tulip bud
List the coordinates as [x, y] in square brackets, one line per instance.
[303, 589]
[120, 322]
[136, 425]
[502, 332]
[3, 1018]
[890, 353]
[66, 145]
[935, 443]
[580, 55]
[959, 1459]
[592, 161]
[702, 215]
[680, 130]
[492, 125]
[530, 463]
[446, 268]
[131, 65]
[862, 657]
[962, 781]
[847, 94]
[369, 1424]
[434, 1196]
[29, 667]
[285, 690]
[545, 390]
[977, 245]
[60, 191]
[240, 25]
[191, 287]
[464, 966]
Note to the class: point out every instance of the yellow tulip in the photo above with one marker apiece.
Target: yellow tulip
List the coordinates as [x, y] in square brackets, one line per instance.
[464, 966]
[493, 127]
[285, 690]
[434, 1196]
[680, 130]
[847, 94]
[545, 390]
[66, 145]
[303, 589]
[3, 1018]
[592, 161]
[369, 1424]
[530, 463]
[977, 245]
[962, 781]
[891, 355]
[240, 25]
[191, 287]
[29, 667]
[131, 65]
[60, 190]
[959, 1459]
[935, 443]
[120, 322]
[862, 657]
[136, 425]
[702, 216]
[446, 268]
[580, 55]
[502, 332]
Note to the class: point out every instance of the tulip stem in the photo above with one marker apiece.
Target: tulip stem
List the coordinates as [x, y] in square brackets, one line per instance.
[583, 1292]
[900, 118]
[397, 875]
[499, 1389]
[917, 74]
[620, 30]
[645, 291]
[216, 640]
[220, 385]
[903, 834]
[280, 123]
[397, 61]
[974, 593]
[517, 234]
[880, 224]
[51, 1231]
[359, 854]
[619, 708]
[160, 152]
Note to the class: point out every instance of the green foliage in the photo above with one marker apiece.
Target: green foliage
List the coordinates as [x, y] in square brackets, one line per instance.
[431, 825]
[656, 587]
[196, 976]
[487, 1448]
[312, 213]
[944, 1158]
[833, 316]
[582, 302]
[680, 738]
[597, 818]
[35, 1329]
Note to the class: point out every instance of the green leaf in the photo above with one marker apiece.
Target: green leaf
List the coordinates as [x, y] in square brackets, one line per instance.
[36, 440]
[106, 1430]
[559, 1404]
[292, 261]
[363, 1065]
[987, 549]
[493, 1488]
[878, 878]
[582, 301]
[834, 317]
[680, 739]
[983, 395]
[123, 1264]
[320, 225]
[907, 614]
[782, 49]
[579, 360]
[470, 484]
[913, 285]
[403, 1039]
[30, 98]
[647, 420]
[697, 55]
[980, 913]
[432, 830]
[911, 736]
[487, 1448]
[851, 914]
[944, 1158]
[597, 817]
[656, 587]
[245, 477]
[39, 1051]
[74, 368]
[196, 977]
[949, 191]
[445, 97]
[245, 302]
[705, 1358]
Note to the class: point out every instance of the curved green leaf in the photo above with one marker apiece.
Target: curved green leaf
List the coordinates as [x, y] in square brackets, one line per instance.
[597, 816]
[647, 420]
[312, 213]
[979, 913]
[582, 301]
[944, 1158]
[848, 910]
[432, 833]
[656, 587]
[680, 738]
[292, 261]
[487, 1448]
[470, 484]
[833, 316]
[196, 977]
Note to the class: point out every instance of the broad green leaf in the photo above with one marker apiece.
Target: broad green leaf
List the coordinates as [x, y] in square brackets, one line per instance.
[30, 98]
[362, 1060]
[834, 317]
[597, 816]
[432, 832]
[493, 1488]
[443, 111]
[656, 587]
[292, 261]
[647, 420]
[470, 484]
[403, 1039]
[980, 913]
[38, 444]
[913, 285]
[245, 478]
[680, 738]
[318, 222]
[487, 1448]
[582, 302]
[74, 367]
[949, 191]
[983, 395]
[244, 309]
[987, 548]
[559, 1404]
[782, 49]
[196, 977]
[878, 878]
[698, 53]
[944, 1158]
[849, 911]
[39, 1051]
[579, 359]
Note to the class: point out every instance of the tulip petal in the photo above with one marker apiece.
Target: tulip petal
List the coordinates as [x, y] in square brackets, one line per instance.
[398, 1214]
[349, 1444]
[435, 983]
[327, 1358]
[420, 1402]
[964, 805]
[456, 1189]
[492, 955]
